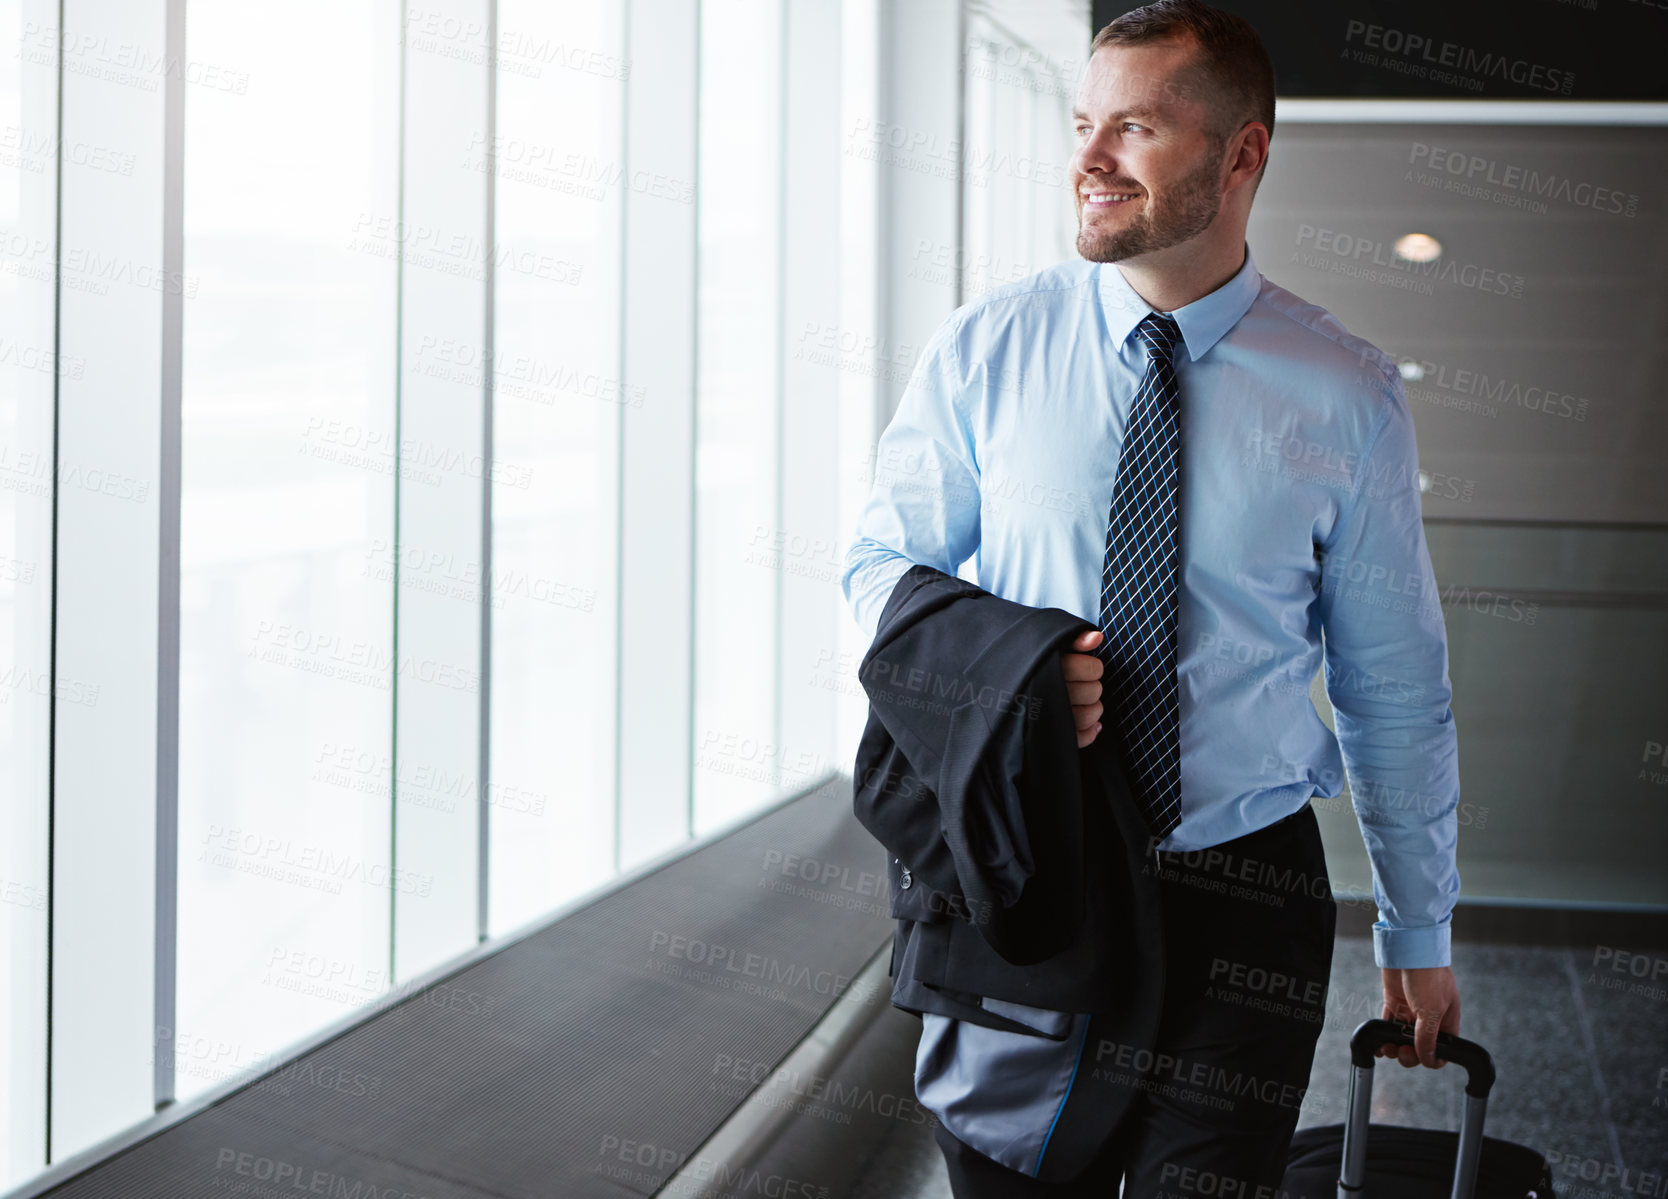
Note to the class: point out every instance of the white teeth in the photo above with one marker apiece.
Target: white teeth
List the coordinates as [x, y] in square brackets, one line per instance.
[1107, 197]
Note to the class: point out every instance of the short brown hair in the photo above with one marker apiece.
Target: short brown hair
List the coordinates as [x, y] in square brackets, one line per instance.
[1231, 70]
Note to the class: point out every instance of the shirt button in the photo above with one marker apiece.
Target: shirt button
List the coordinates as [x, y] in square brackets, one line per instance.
[906, 880]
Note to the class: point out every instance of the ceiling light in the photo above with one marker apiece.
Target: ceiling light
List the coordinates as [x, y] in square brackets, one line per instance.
[1418, 247]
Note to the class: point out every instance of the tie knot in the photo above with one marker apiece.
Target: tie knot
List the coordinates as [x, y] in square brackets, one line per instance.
[1160, 333]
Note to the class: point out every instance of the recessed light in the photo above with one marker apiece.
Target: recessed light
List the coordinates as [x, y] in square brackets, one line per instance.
[1411, 370]
[1418, 247]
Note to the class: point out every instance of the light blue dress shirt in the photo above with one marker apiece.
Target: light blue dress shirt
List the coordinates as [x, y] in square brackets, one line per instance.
[1300, 519]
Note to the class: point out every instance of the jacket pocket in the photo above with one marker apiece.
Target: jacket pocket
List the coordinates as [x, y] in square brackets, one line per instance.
[913, 899]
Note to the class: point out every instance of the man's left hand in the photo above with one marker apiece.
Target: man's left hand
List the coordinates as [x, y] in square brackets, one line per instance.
[1427, 999]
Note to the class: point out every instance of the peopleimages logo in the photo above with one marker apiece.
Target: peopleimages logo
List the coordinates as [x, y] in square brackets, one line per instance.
[1549, 185]
[1350, 248]
[1467, 65]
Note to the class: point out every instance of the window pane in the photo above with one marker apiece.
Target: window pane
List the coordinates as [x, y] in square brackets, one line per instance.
[556, 422]
[1022, 63]
[289, 444]
[737, 766]
[27, 114]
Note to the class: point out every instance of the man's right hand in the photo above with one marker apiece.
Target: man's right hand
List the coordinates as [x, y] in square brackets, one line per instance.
[1082, 671]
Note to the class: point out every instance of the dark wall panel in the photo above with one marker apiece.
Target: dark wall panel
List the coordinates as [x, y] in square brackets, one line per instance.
[1536, 49]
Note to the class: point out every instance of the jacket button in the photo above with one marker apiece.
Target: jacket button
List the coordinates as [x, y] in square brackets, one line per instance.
[906, 880]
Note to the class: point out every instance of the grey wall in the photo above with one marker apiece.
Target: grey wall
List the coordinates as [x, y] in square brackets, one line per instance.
[1532, 352]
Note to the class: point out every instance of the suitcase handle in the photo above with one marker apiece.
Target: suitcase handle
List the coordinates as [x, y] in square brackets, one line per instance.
[1479, 1066]
[1479, 1080]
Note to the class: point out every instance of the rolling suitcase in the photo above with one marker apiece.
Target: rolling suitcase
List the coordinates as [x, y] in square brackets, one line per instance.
[1385, 1161]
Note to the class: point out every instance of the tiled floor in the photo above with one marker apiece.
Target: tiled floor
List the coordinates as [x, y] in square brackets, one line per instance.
[1582, 1072]
[1578, 1063]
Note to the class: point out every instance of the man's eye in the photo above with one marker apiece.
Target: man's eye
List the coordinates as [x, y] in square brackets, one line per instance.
[1131, 125]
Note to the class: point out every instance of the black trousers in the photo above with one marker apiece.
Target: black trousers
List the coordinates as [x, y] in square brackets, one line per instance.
[1248, 928]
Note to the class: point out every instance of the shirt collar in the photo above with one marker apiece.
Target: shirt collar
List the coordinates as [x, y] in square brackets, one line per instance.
[1203, 322]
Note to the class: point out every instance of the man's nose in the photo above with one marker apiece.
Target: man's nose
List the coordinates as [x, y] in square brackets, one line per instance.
[1094, 154]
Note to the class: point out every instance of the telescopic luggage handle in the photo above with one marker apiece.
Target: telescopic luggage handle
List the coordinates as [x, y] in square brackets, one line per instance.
[1479, 1079]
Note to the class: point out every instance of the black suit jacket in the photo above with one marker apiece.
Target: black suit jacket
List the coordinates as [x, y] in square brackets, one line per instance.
[1020, 866]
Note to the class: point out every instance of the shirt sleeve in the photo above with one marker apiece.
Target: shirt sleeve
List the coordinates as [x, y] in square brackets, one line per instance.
[923, 504]
[1387, 679]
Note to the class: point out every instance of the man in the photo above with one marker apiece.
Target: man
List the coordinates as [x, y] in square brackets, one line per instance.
[1218, 475]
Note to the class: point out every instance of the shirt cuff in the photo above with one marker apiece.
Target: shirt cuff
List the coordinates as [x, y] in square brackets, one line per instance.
[1410, 948]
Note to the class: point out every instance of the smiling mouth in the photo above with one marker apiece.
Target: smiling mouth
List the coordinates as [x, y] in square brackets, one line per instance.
[1098, 200]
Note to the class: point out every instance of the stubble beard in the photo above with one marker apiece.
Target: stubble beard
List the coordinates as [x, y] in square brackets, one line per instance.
[1193, 204]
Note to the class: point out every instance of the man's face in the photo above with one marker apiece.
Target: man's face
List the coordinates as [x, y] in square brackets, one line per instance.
[1146, 176]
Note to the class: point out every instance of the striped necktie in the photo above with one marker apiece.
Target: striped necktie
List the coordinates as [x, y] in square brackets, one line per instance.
[1138, 585]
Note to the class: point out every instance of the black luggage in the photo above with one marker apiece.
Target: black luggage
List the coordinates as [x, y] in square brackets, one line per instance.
[1385, 1161]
